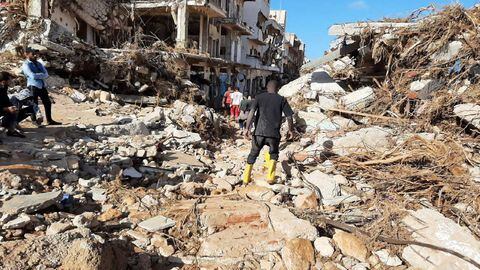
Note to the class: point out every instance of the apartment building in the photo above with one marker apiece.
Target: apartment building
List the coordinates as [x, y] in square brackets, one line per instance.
[238, 42]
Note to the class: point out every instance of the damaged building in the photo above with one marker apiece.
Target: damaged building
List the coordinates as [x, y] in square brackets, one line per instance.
[216, 43]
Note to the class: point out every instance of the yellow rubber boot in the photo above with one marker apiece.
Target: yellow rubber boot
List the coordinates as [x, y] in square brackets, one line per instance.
[267, 161]
[247, 175]
[272, 167]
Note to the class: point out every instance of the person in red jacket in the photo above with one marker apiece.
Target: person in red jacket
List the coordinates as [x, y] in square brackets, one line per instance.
[227, 100]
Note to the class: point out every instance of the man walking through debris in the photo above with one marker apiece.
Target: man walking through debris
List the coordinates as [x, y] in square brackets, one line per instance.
[268, 107]
[8, 112]
[36, 74]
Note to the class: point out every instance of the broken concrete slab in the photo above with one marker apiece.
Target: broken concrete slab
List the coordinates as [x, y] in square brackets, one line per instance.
[18, 223]
[425, 88]
[176, 159]
[295, 86]
[353, 29]
[366, 139]
[30, 203]
[430, 226]
[157, 223]
[468, 112]
[323, 83]
[330, 189]
[359, 99]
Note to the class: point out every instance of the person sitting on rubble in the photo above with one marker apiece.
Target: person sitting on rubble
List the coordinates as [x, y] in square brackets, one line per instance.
[268, 108]
[26, 107]
[8, 111]
[227, 100]
[36, 74]
[237, 98]
[245, 107]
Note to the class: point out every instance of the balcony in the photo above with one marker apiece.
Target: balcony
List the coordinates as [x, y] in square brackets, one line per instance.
[212, 8]
[235, 24]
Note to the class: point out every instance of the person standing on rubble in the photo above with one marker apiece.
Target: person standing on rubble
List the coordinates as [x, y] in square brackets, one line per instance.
[8, 112]
[36, 74]
[237, 98]
[268, 107]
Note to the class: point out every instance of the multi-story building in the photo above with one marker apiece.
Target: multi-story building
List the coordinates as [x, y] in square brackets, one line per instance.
[239, 42]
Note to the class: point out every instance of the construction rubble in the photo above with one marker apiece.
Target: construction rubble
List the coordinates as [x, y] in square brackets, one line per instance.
[383, 173]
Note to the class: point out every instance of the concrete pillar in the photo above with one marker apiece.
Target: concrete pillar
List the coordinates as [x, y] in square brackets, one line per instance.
[201, 41]
[182, 25]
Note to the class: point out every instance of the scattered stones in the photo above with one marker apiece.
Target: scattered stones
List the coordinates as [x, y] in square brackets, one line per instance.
[58, 227]
[257, 193]
[86, 220]
[387, 259]
[18, 223]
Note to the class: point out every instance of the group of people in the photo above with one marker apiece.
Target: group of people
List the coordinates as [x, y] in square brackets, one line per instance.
[237, 106]
[17, 107]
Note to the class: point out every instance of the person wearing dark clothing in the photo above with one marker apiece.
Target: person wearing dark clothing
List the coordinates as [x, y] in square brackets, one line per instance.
[245, 107]
[36, 74]
[8, 112]
[26, 107]
[269, 108]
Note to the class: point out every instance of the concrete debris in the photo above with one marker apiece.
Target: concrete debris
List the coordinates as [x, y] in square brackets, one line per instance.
[30, 203]
[146, 172]
[430, 226]
[157, 223]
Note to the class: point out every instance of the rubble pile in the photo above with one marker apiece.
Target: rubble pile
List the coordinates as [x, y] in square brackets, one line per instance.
[379, 175]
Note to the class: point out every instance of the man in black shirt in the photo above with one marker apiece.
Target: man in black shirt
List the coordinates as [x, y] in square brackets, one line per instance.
[269, 108]
[8, 112]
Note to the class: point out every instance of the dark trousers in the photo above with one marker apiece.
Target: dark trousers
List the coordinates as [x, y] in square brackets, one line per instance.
[42, 93]
[9, 120]
[26, 112]
[258, 143]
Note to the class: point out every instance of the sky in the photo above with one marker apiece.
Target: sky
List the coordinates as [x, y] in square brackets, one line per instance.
[310, 19]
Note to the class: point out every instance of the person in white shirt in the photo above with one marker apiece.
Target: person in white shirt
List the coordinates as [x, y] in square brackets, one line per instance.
[237, 98]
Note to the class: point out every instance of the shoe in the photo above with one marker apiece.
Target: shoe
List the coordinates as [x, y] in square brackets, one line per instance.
[272, 167]
[54, 123]
[15, 134]
[247, 175]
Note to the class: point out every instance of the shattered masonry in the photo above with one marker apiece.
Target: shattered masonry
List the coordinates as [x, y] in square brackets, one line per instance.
[383, 174]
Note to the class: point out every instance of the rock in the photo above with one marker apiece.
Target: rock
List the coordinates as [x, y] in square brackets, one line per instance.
[430, 226]
[298, 254]
[134, 128]
[257, 193]
[149, 201]
[324, 246]
[306, 201]
[86, 220]
[315, 120]
[387, 259]
[154, 117]
[162, 246]
[132, 173]
[330, 188]
[424, 88]
[58, 227]
[222, 184]
[324, 84]
[88, 182]
[326, 103]
[18, 223]
[141, 239]
[105, 97]
[157, 223]
[358, 100]
[449, 52]
[30, 203]
[285, 222]
[365, 139]
[350, 245]
[99, 194]
[110, 214]
[468, 112]
[74, 249]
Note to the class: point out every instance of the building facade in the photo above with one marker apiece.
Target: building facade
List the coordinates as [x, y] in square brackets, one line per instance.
[223, 42]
